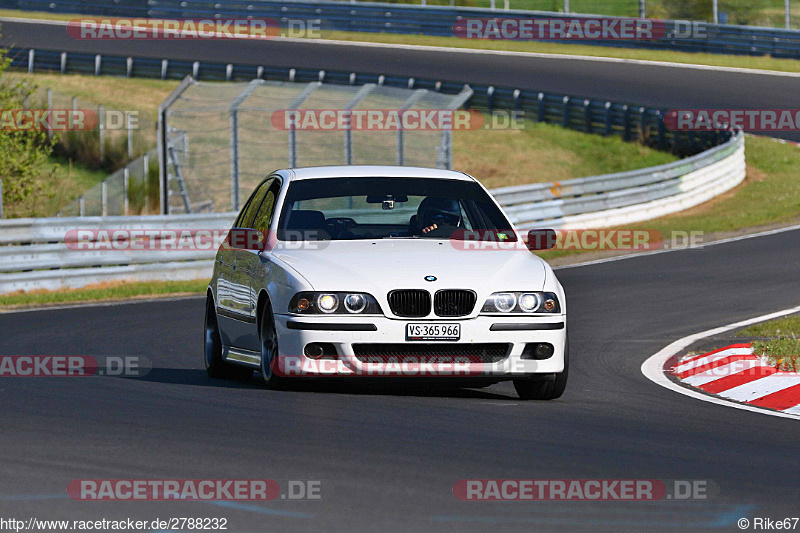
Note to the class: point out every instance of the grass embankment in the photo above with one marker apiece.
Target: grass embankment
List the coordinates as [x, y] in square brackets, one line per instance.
[781, 343]
[736, 61]
[102, 292]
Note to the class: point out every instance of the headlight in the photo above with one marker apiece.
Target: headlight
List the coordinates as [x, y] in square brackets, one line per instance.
[355, 303]
[340, 303]
[530, 301]
[522, 302]
[327, 303]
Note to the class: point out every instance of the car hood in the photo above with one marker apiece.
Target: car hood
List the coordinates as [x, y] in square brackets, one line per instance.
[378, 266]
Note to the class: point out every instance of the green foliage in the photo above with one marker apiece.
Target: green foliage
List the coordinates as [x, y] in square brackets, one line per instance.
[23, 153]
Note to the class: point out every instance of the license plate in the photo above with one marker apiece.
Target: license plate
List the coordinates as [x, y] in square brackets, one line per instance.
[433, 332]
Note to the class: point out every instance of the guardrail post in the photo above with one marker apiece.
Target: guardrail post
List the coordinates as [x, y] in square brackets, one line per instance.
[643, 122]
[490, 98]
[31, 59]
[164, 68]
[81, 207]
[587, 115]
[662, 133]
[129, 66]
[625, 121]
[195, 69]
[565, 112]
[608, 118]
[540, 111]
[98, 62]
[63, 62]
[104, 198]
[229, 72]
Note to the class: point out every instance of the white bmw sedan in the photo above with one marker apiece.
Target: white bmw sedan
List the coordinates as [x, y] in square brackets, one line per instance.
[365, 271]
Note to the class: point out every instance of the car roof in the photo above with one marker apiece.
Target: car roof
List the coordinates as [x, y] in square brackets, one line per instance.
[372, 171]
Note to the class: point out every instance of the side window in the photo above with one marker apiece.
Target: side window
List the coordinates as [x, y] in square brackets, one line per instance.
[264, 216]
[249, 213]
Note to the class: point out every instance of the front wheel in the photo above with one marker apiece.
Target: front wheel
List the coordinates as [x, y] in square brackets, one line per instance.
[547, 386]
[269, 349]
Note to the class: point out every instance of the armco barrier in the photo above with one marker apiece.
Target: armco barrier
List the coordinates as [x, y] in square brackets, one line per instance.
[603, 117]
[428, 20]
[35, 255]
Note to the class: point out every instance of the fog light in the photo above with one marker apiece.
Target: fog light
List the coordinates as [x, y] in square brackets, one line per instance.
[543, 351]
[314, 350]
[538, 351]
[549, 304]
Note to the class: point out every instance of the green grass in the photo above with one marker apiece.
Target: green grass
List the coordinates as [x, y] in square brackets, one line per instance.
[788, 326]
[545, 152]
[770, 195]
[109, 291]
[781, 348]
[752, 62]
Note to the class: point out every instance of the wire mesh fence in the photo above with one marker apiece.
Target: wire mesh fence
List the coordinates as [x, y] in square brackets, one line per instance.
[221, 139]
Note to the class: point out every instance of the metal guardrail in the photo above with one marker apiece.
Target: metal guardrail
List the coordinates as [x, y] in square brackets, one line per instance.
[35, 255]
[603, 117]
[426, 20]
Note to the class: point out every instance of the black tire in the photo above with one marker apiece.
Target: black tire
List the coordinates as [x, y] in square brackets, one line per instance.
[216, 367]
[546, 386]
[269, 349]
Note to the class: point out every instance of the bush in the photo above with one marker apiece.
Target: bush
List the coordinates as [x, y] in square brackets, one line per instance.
[23, 153]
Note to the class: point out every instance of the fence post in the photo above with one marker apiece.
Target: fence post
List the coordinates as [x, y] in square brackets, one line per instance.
[101, 131]
[566, 6]
[348, 132]
[625, 129]
[715, 11]
[608, 118]
[129, 124]
[1, 198]
[146, 165]
[81, 207]
[49, 109]
[104, 198]
[540, 111]
[125, 184]
[787, 17]
[587, 115]
[642, 8]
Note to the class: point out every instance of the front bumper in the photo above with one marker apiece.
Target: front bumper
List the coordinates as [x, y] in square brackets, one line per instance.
[295, 332]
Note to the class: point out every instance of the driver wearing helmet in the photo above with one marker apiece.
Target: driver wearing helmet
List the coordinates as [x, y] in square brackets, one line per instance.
[442, 214]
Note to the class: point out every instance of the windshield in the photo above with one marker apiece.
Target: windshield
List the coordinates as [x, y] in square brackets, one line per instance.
[380, 208]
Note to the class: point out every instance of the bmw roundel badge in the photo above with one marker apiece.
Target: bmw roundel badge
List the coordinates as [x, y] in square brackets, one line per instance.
[430, 278]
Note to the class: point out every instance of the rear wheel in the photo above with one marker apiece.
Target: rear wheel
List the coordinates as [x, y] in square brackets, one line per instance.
[269, 349]
[544, 386]
[216, 367]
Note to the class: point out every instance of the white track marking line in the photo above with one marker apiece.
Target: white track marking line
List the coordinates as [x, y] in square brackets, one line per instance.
[793, 410]
[653, 367]
[762, 387]
[451, 49]
[722, 371]
[711, 358]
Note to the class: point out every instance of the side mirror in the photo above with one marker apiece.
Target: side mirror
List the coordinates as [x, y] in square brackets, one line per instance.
[541, 239]
[246, 239]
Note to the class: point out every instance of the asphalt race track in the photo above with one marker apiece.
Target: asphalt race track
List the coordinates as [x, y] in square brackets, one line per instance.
[388, 456]
[648, 85]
